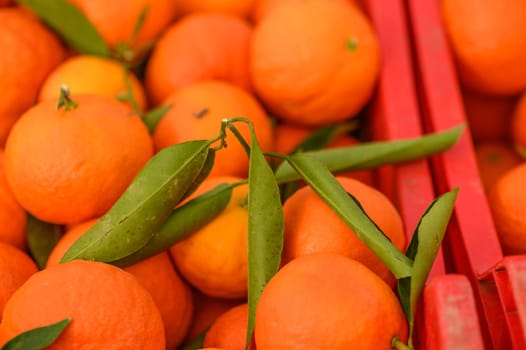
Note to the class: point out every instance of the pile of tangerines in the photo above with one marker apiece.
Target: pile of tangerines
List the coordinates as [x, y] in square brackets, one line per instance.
[490, 50]
[73, 137]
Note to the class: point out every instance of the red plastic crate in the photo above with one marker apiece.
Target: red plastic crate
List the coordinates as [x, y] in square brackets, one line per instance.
[471, 244]
[448, 299]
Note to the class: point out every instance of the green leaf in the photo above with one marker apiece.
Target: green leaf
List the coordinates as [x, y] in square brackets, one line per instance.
[319, 178]
[265, 229]
[183, 221]
[154, 116]
[323, 136]
[423, 249]
[41, 239]
[70, 24]
[37, 338]
[369, 155]
[142, 209]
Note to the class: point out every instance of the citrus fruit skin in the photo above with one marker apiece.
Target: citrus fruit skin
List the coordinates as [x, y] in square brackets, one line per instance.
[67, 166]
[311, 226]
[157, 274]
[85, 74]
[238, 8]
[305, 307]
[518, 123]
[494, 159]
[16, 266]
[314, 62]
[214, 259]
[229, 330]
[108, 307]
[200, 46]
[507, 201]
[12, 216]
[29, 52]
[197, 112]
[488, 40]
[116, 20]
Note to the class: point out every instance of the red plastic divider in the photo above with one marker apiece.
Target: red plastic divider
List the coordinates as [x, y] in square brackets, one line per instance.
[448, 298]
[472, 241]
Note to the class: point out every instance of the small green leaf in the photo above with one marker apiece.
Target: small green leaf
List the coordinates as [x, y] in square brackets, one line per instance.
[139, 24]
[265, 229]
[346, 207]
[70, 24]
[41, 239]
[154, 116]
[37, 338]
[369, 155]
[183, 221]
[142, 209]
[423, 249]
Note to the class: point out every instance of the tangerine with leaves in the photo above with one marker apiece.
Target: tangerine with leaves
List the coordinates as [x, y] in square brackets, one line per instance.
[314, 62]
[29, 52]
[311, 226]
[288, 137]
[16, 266]
[197, 111]
[87, 74]
[71, 164]
[199, 47]
[158, 276]
[488, 40]
[12, 215]
[214, 259]
[108, 307]
[327, 301]
[118, 20]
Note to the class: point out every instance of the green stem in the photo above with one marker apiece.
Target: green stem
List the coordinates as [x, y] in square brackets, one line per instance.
[396, 343]
[65, 101]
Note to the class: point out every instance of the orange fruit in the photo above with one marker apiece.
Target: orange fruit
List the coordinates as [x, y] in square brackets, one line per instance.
[488, 40]
[287, 137]
[518, 123]
[311, 226]
[507, 200]
[86, 74]
[157, 275]
[116, 20]
[66, 166]
[29, 52]
[262, 7]
[314, 62]
[327, 301]
[240, 8]
[15, 268]
[494, 159]
[198, 47]
[196, 113]
[5, 2]
[108, 307]
[488, 116]
[12, 215]
[206, 310]
[229, 331]
[214, 259]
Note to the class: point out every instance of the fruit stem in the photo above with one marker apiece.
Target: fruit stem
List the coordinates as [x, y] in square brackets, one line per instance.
[65, 101]
[396, 343]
